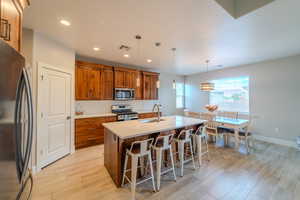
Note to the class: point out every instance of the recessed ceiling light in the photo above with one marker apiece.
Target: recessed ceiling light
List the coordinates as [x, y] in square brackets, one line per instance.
[126, 55]
[96, 49]
[149, 60]
[65, 22]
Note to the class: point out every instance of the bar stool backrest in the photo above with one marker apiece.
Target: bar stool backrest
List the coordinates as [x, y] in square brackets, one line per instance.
[185, 134]
[199, 131]
[164, 141]
[141, 147]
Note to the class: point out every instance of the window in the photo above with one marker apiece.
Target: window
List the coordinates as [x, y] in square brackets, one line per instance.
[179, 95]
[231, 94]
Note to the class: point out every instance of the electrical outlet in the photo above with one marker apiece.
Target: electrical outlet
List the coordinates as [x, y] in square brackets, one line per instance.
[277, 130]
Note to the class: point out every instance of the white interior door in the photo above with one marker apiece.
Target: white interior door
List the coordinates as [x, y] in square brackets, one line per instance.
[55, 110]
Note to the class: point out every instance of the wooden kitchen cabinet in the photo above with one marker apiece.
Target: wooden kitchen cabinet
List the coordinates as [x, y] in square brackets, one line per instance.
[93, 81]
[81, 85]
[88, 80]
[11, 16]
[150, 90]
[138, 85]
[107, 83]
[11, 23]
[119, 78]
[124, 77]
[97, 82]
[90, 131]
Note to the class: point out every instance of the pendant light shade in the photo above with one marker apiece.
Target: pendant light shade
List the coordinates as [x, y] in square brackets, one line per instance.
[207, 86]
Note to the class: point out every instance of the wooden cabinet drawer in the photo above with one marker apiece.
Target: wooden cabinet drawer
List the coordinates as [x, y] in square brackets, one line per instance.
[90, 131]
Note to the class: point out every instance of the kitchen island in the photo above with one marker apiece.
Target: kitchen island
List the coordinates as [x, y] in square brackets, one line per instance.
[119, 135]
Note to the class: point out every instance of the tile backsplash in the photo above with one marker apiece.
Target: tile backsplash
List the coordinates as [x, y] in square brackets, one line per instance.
[102, 107]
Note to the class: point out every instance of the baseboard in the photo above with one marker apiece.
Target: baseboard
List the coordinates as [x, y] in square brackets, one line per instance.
[276, 141]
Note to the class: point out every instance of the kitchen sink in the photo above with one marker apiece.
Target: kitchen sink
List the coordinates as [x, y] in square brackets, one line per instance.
[151, 120]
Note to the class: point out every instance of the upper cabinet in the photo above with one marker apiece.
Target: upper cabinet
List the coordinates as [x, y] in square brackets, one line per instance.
[97, 82]
[88, 76]
[125, 78]
[107, 83]
[11, 12]
[138, 85]
[93, 81]
[150, 90]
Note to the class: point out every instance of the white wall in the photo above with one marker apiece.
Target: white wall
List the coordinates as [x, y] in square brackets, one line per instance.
[274, 95]
[39, 48]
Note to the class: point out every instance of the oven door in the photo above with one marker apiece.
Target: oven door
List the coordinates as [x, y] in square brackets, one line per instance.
[124, 94]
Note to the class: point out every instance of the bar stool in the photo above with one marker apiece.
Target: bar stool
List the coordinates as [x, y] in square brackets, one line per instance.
[198, 138]
[138, 150]
[183, 138]
[163, 143]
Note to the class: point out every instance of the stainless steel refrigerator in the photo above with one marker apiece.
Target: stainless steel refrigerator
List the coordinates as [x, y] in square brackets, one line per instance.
[16, 126]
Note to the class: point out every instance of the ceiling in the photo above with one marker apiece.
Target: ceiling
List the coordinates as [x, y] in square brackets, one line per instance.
[199, 29]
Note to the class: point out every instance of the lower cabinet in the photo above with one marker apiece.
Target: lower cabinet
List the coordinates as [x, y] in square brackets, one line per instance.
[90, 131]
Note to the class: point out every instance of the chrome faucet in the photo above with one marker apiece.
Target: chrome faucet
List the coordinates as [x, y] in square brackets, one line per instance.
[158, 111]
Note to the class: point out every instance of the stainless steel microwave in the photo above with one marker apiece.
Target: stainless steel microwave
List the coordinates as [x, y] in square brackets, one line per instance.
[124, 94]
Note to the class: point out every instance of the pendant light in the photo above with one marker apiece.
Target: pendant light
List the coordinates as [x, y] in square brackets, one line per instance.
[207, 86]
[138, 38]
[174, 61]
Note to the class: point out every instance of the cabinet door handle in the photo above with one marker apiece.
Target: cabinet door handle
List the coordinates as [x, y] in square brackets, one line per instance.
[6, 30]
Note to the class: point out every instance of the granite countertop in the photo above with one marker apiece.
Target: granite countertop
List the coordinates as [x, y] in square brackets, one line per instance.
[94, 115]
[134, 128]
[143, 111]
[107, 114]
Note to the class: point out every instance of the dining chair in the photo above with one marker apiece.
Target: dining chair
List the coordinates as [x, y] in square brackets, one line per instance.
[212, 129]
[245, 135]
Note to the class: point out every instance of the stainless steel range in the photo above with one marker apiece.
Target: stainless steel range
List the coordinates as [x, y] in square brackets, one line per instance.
[124, 112]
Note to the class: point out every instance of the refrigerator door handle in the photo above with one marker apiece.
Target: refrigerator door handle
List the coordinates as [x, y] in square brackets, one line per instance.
[22, 160]
[30, 122]
[17, 130]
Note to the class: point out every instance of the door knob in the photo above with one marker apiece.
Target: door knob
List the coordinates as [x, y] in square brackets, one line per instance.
[69, 117]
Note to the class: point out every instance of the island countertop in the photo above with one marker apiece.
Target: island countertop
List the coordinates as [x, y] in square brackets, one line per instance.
[134, 128]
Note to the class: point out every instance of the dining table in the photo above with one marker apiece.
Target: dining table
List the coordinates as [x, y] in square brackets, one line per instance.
[235, 124]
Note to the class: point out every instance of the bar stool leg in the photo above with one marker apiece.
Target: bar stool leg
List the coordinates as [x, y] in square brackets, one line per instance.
[134, 165]
[125, 168]
[158, 166]
[192, 154]
[142, 163]
[199, 149]
[181, 156]
[151, 170]
[195, 140]
[172, 162]
[207, 151]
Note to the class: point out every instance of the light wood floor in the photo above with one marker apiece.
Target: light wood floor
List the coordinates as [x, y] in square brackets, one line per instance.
[271, 172]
